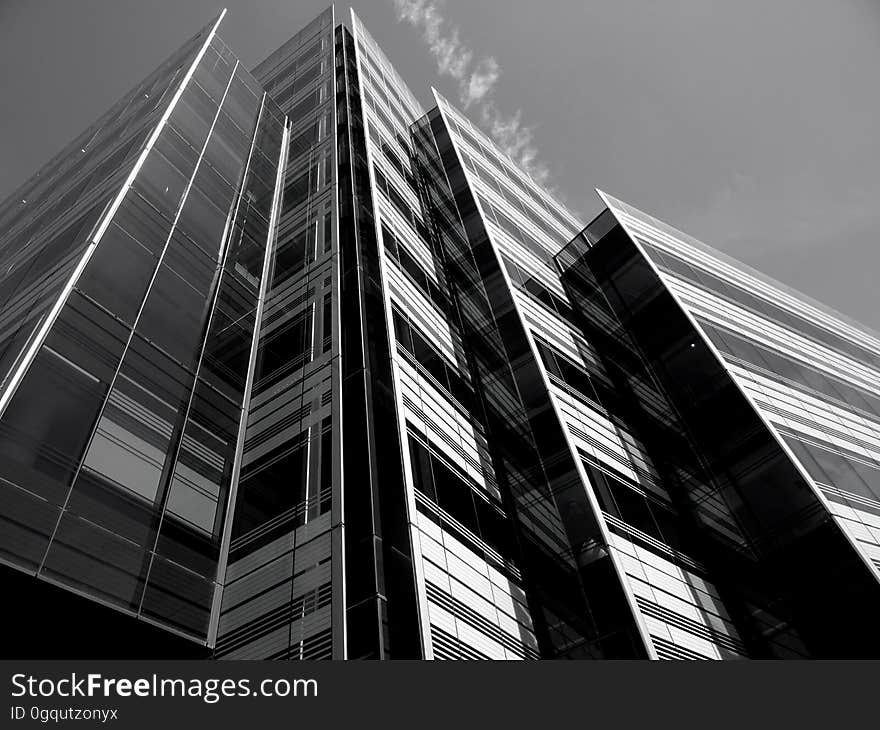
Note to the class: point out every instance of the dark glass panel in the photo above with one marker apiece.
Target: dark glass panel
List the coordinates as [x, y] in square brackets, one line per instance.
[203, 221]
[271, 485]
[43, 438]
[177, 151]
[160, 183]
[154, 372]
[193, 115]
[118, 274]
[178, 597]
[327, 458]
[297, 191]
[197, 266]
[132, 441]
[173, 316]
[423, 478]
[192, 523]
[227, 353]
[106, 503]
[215, 412]
[242, 104]
[284, 350]
[228, 149]
[88, 337]
[495, 527]
[327, 323]
[327, 232]
[837, 470]
[303, 141]
[291, 257]
[217, 188]
[26, 523]
[96, 561]
[213, 72]
[143, 223]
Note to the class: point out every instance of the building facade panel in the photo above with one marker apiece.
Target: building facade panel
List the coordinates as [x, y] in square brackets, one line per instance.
[811, 373]
[753, 513]
[131, 466]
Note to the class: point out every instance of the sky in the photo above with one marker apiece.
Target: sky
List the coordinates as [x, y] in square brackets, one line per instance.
[751, 125]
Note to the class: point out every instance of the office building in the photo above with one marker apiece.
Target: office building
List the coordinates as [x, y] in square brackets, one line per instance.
[294, 368]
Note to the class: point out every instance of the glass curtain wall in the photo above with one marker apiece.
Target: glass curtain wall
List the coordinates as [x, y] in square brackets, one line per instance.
[795, 585]
[118, 485]
[574, 593]
[283, 595]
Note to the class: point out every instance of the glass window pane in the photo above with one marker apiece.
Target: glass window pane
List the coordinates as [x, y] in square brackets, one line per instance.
[118, 274]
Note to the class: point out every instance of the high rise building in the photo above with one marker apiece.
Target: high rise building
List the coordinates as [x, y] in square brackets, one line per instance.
[293, 368]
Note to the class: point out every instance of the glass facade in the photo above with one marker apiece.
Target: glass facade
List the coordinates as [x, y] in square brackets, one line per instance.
[795, 447]
[293, 368]
[467, 577]
[116, 484]
[280, 593]
[576, 601]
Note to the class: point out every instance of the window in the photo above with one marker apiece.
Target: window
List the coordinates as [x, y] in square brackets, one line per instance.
[272, 485]
[291, 257]
[284, 350]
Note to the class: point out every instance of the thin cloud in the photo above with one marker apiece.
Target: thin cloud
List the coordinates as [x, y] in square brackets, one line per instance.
[481, 80]
[476, 82]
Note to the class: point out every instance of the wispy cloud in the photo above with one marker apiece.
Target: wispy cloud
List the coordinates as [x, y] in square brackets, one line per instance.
[476, 79]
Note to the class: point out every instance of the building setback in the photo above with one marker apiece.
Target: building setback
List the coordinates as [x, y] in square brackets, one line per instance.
[293, 368]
